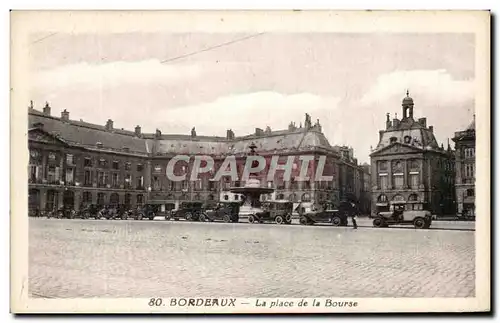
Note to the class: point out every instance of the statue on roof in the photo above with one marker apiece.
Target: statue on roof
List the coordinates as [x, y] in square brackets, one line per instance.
[308, 121]
[193, 132]
[268, 129]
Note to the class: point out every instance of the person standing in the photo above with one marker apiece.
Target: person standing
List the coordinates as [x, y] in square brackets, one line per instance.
[354, 217]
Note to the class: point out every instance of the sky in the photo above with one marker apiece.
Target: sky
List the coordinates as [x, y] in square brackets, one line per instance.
[219, 81]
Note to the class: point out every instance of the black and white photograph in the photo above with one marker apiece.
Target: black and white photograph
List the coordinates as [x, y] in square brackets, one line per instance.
[250, 162]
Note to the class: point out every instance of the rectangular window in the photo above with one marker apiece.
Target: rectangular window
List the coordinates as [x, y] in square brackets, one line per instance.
[128, 181]
[116, 165]
[87, 180]
[384, 183]
[102, 162]
[87, 162]
[70, 172]
[398, 181]
[414, 180]
[69, 159]
[140, 167]
[114, 180]
[128, 166]
[140, 182]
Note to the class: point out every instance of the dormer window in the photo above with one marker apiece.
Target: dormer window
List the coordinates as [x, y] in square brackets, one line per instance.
[393, 139]
[407, 139]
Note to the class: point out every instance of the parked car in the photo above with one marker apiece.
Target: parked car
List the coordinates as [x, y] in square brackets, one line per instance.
[397, 213]
[66, 212]
[310, 213]
[148, 210]
[279, 212]
[163, 209]
[189, 211]
[220, 211]
[89, 211]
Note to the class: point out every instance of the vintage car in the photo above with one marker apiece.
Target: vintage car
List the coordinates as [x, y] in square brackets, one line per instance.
[402, 213]
[310, 213]
[279, 211]
[189, 211]
[89, 211]
[148, 210]
[164, 209]
[65, 212]
[222, 211]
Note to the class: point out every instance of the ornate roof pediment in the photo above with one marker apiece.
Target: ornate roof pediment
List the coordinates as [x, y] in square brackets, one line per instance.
[39, 135]
[396, 148]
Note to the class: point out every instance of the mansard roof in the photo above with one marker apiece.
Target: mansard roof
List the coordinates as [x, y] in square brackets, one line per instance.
[85, 134]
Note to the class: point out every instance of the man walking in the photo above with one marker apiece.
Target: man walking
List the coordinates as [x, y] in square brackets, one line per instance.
[354, 214]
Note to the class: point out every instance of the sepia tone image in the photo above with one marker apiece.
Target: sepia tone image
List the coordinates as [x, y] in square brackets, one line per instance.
[263, 164]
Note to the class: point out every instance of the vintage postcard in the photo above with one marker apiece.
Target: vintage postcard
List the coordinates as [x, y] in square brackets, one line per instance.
[250, 161]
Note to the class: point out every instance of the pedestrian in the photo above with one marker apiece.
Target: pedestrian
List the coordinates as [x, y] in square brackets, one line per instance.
[354, 216]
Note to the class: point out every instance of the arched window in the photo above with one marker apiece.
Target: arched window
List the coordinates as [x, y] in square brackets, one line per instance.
[127, 199]
[211, 197]
[413, 197]
[382, 198]
[226, 197]
[114, 199]
[280, 196]
[306, 197]
[140, 199]
[100, 199]
[470, 192]
[292, 197]
[398, 198]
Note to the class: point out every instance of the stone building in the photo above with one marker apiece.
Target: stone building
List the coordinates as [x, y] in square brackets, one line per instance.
[75, 163]
[409, 165]
[465, 167]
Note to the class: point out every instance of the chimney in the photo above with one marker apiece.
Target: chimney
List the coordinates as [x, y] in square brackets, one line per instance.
[230, 134]
[380, 134]
[423, 122]
[395, 122]
[158, 134]
[65, 115]
[137, 130]
[31, 105]
[388, 121]
[109, 125]
[46, 109]
[259, 132]
[431, 128]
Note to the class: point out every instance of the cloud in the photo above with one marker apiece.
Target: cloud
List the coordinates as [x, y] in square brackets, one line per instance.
[437, 86]
[245, 112]
[115, 74]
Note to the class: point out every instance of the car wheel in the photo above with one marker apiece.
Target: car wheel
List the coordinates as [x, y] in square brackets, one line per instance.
[139, 216]
[279, 219]
[303, 220]
[167, 217]
[251, 219]
[378, 222]
[419, 223]
[336, 221]
[288, 219]
[202, 217]
[189, 216]
[226, 218]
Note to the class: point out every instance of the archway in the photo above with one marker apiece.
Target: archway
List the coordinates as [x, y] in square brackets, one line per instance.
[413, 197]
[114, 199]
[398, 198]
[100, 199]
[33, 200]
[128, 199]
[382, 198]
[306, 197]
[52, 198]
[69, 199]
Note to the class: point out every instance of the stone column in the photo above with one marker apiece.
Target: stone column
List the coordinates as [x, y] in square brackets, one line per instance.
[43, 173]
[389, 175]
[406, 167]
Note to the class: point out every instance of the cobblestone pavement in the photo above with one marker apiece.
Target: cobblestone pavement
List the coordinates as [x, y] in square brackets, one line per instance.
[99, 258]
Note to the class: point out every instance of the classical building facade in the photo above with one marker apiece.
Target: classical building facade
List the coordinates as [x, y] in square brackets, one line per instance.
[409, 165]
[465, 166]
[74, 163]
